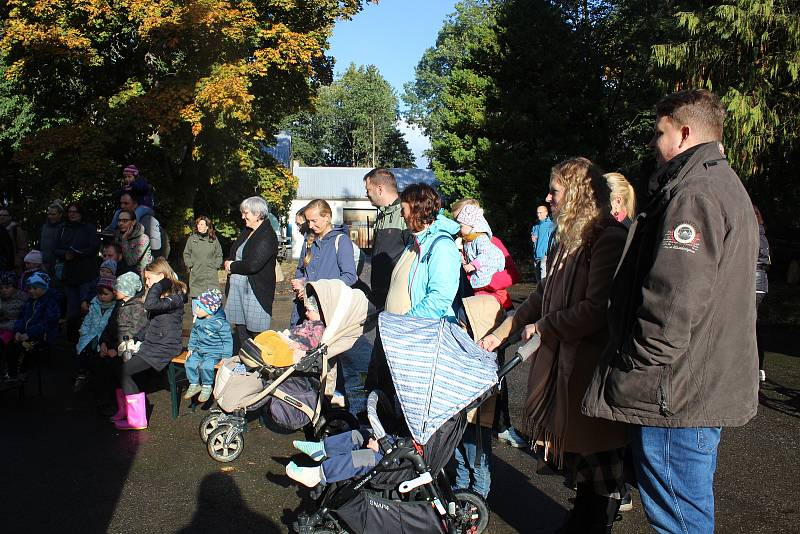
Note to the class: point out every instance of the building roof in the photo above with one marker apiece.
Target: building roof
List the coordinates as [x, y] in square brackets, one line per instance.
[347, 183]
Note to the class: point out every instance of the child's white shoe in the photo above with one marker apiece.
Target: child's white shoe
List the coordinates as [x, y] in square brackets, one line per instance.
[313, 449]
[191, 391]
[307, 476]
[205, 394]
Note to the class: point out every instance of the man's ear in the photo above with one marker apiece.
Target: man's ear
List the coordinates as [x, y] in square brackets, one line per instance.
[685, 133]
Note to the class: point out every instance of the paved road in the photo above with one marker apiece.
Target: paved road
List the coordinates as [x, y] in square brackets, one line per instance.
[64, 469]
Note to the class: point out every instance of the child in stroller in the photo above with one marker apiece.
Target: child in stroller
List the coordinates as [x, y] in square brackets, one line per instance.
[286, 374]
[437, 371]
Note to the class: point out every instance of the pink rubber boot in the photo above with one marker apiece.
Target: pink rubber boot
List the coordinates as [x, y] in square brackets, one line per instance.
[122, 407]
[137, 413]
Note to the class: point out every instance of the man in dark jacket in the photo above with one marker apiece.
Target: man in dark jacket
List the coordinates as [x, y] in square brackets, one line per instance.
[681, 362]
[388, 243]
[50, 236]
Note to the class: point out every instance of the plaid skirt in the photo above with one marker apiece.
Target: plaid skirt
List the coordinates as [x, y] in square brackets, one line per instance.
[603, 470]
[242, 306]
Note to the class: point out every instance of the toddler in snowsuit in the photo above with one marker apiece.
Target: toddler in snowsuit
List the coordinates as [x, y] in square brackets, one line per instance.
[481, 258]
[209, 342]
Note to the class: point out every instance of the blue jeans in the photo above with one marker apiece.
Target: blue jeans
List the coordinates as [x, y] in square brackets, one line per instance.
[346, 459]
[477, 479]
[675, 469]
[200, 368]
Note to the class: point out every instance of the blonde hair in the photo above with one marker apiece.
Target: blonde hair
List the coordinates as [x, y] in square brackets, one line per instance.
[160, 266]
[458, 205]
[324, 209]
[585, 200]
[622, 188]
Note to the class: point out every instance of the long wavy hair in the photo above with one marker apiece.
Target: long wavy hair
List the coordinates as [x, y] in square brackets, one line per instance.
[586, 201]
[212, 235]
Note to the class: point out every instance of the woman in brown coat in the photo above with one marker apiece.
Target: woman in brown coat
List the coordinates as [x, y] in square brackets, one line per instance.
[568, 311]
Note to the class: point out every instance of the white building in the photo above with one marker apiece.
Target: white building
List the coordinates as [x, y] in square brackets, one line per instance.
[343, 189]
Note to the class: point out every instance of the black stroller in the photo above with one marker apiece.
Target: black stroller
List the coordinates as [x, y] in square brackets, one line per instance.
[408, 491]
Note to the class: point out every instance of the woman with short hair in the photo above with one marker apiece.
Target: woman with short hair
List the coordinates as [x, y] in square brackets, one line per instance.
[252, 283]
[569, 312]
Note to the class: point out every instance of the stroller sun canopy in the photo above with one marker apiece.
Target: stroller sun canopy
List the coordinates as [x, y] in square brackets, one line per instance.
[436, 368]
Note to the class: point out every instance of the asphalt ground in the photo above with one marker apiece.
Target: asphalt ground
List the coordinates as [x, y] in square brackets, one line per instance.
[63, 468]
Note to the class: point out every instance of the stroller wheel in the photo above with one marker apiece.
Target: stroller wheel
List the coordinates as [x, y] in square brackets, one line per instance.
[472, 513]
[209, 423]
[334, 422]
[221, 451]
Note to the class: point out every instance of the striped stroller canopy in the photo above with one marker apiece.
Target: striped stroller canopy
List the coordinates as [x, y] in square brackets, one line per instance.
[436, 368]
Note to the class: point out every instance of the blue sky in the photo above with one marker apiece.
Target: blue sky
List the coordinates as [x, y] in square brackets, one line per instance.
[392, 35]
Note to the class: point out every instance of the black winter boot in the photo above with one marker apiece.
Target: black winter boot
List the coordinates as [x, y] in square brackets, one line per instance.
[602, 514]
[579, 518]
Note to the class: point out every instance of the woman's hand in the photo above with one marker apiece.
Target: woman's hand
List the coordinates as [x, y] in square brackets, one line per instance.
[227, 266]
[489, 342]
[468, 268]
[529, 331]
[111, 353]
[103, 350]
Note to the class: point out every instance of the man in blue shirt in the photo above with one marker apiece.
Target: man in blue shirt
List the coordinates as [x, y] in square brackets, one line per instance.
[540, 237]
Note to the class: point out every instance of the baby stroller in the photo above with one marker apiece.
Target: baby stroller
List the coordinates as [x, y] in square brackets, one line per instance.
[438, 373]
[293, 394]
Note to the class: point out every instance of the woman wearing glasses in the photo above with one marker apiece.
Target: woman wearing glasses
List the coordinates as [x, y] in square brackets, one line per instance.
[133, 241]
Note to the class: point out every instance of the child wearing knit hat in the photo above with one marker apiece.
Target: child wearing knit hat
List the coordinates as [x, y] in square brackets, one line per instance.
[33, 263]
[38, 324]
[94, 322]
[209, 342]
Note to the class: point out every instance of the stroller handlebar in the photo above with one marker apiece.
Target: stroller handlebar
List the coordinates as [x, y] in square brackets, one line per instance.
[522, 354]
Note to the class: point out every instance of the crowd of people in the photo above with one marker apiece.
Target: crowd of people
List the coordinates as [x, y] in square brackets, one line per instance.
[646, 320]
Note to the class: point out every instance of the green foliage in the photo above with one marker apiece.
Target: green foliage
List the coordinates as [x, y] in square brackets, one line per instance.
[354, 124]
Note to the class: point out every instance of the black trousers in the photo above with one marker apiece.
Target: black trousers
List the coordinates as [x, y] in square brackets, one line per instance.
[132, 367]
[759, 331]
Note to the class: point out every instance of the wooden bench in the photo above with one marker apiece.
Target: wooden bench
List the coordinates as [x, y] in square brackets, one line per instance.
[176, 371]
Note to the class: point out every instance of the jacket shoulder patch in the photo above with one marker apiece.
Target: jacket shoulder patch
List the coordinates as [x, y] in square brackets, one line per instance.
[683, 236]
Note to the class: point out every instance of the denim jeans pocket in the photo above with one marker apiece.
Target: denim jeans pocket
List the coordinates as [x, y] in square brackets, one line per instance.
[708, 439]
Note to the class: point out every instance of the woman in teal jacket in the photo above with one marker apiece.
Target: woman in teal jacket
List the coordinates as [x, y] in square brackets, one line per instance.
[426, 278]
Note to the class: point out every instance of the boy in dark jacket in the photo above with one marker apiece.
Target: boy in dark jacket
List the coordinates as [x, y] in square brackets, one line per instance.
[209, 342]
[37, 327]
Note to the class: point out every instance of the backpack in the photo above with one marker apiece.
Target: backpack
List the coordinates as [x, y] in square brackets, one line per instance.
[464, 288]
[358, 255]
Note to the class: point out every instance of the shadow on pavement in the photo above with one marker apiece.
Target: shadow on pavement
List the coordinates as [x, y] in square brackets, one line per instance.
[516, 508]
[221, 508]
[63, 467]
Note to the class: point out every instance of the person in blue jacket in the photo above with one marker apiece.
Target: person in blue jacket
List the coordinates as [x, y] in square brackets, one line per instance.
[425, 281]
[327, 254]
[540, 237]
[37, 326]
[209, 342]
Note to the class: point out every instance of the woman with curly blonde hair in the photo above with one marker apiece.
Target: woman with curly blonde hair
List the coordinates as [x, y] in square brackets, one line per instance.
[569, 311]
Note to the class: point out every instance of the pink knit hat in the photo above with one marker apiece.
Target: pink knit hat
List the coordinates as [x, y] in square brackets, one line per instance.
[131, 169]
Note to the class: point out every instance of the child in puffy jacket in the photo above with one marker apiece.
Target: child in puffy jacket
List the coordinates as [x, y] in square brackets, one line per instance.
[209, 342]
[481, 258]
[37, 327]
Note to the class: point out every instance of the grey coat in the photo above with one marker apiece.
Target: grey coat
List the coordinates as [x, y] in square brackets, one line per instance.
[682, 314]
[203, 258]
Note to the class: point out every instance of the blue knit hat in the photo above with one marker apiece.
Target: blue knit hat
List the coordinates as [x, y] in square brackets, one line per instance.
[38, 279]
[111, 265]
[210, 301]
